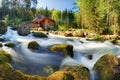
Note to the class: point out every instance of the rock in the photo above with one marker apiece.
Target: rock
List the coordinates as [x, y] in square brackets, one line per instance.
[90, 57]
[1, 45]
[2, 39]
[4, 57]
[68, 34]
[60, 75]
[116, 42]
[66, 48]
[23, 29]
[7, 72]
[78, 72]
[70, 73]
[39, 34]
[3, 27]
[10, 44]
[33, 45]
[105, 67]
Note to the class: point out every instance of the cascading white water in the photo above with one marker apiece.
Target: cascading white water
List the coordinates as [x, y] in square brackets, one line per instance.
[35, 62]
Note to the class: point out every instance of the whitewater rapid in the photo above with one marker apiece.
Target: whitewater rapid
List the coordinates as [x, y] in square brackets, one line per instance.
[35, 62]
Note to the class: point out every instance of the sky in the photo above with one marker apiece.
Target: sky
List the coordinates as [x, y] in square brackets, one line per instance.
[56, 4]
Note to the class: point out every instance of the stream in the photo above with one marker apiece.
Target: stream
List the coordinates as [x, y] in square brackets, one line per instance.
[32, 62]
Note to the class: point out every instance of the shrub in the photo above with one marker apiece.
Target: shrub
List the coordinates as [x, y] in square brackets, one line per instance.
[33, 45]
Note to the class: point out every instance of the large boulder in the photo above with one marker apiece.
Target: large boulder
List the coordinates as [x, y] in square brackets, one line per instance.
[65, 48]
[23, 29]
[71, 73]
[105, 67]
[33, 45]
[60, 75]
[7, 72]
[3, 27]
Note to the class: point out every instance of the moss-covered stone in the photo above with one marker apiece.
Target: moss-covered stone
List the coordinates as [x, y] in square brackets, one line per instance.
[2, 39]
[39, 34]
[66, 48]
[105, 67]
[4, 57]
[1, 45]
[116, 42]
[71, 73]
[60, 75]
[78, 72]
[33, 45]
[7, 72]
[10, 44]
[3, 27]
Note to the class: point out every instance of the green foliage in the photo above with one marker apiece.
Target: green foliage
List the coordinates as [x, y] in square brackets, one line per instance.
[10, 44]
[62, 27]
[33, 45]
[6, 19]
[39, 34]
[3, 27]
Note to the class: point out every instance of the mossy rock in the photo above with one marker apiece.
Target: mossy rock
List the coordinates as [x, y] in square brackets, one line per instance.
[116, 42]
[10, 44]
[1, 45]
[60, 75]
[66, 48]
[4, 57]
[78, 72]
[33, 45]
[2, 39]
[39, 34]
[3, 27]
[7, 73]
[105, 67]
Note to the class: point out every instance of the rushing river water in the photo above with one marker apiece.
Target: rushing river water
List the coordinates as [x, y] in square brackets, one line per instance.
[36, 62]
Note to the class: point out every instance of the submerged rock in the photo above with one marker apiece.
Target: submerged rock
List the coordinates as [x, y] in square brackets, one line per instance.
[66, 48]
[105, 67]
[3, 27]
[33, 45]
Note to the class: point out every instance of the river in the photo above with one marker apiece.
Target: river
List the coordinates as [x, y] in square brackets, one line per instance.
[32, 62]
